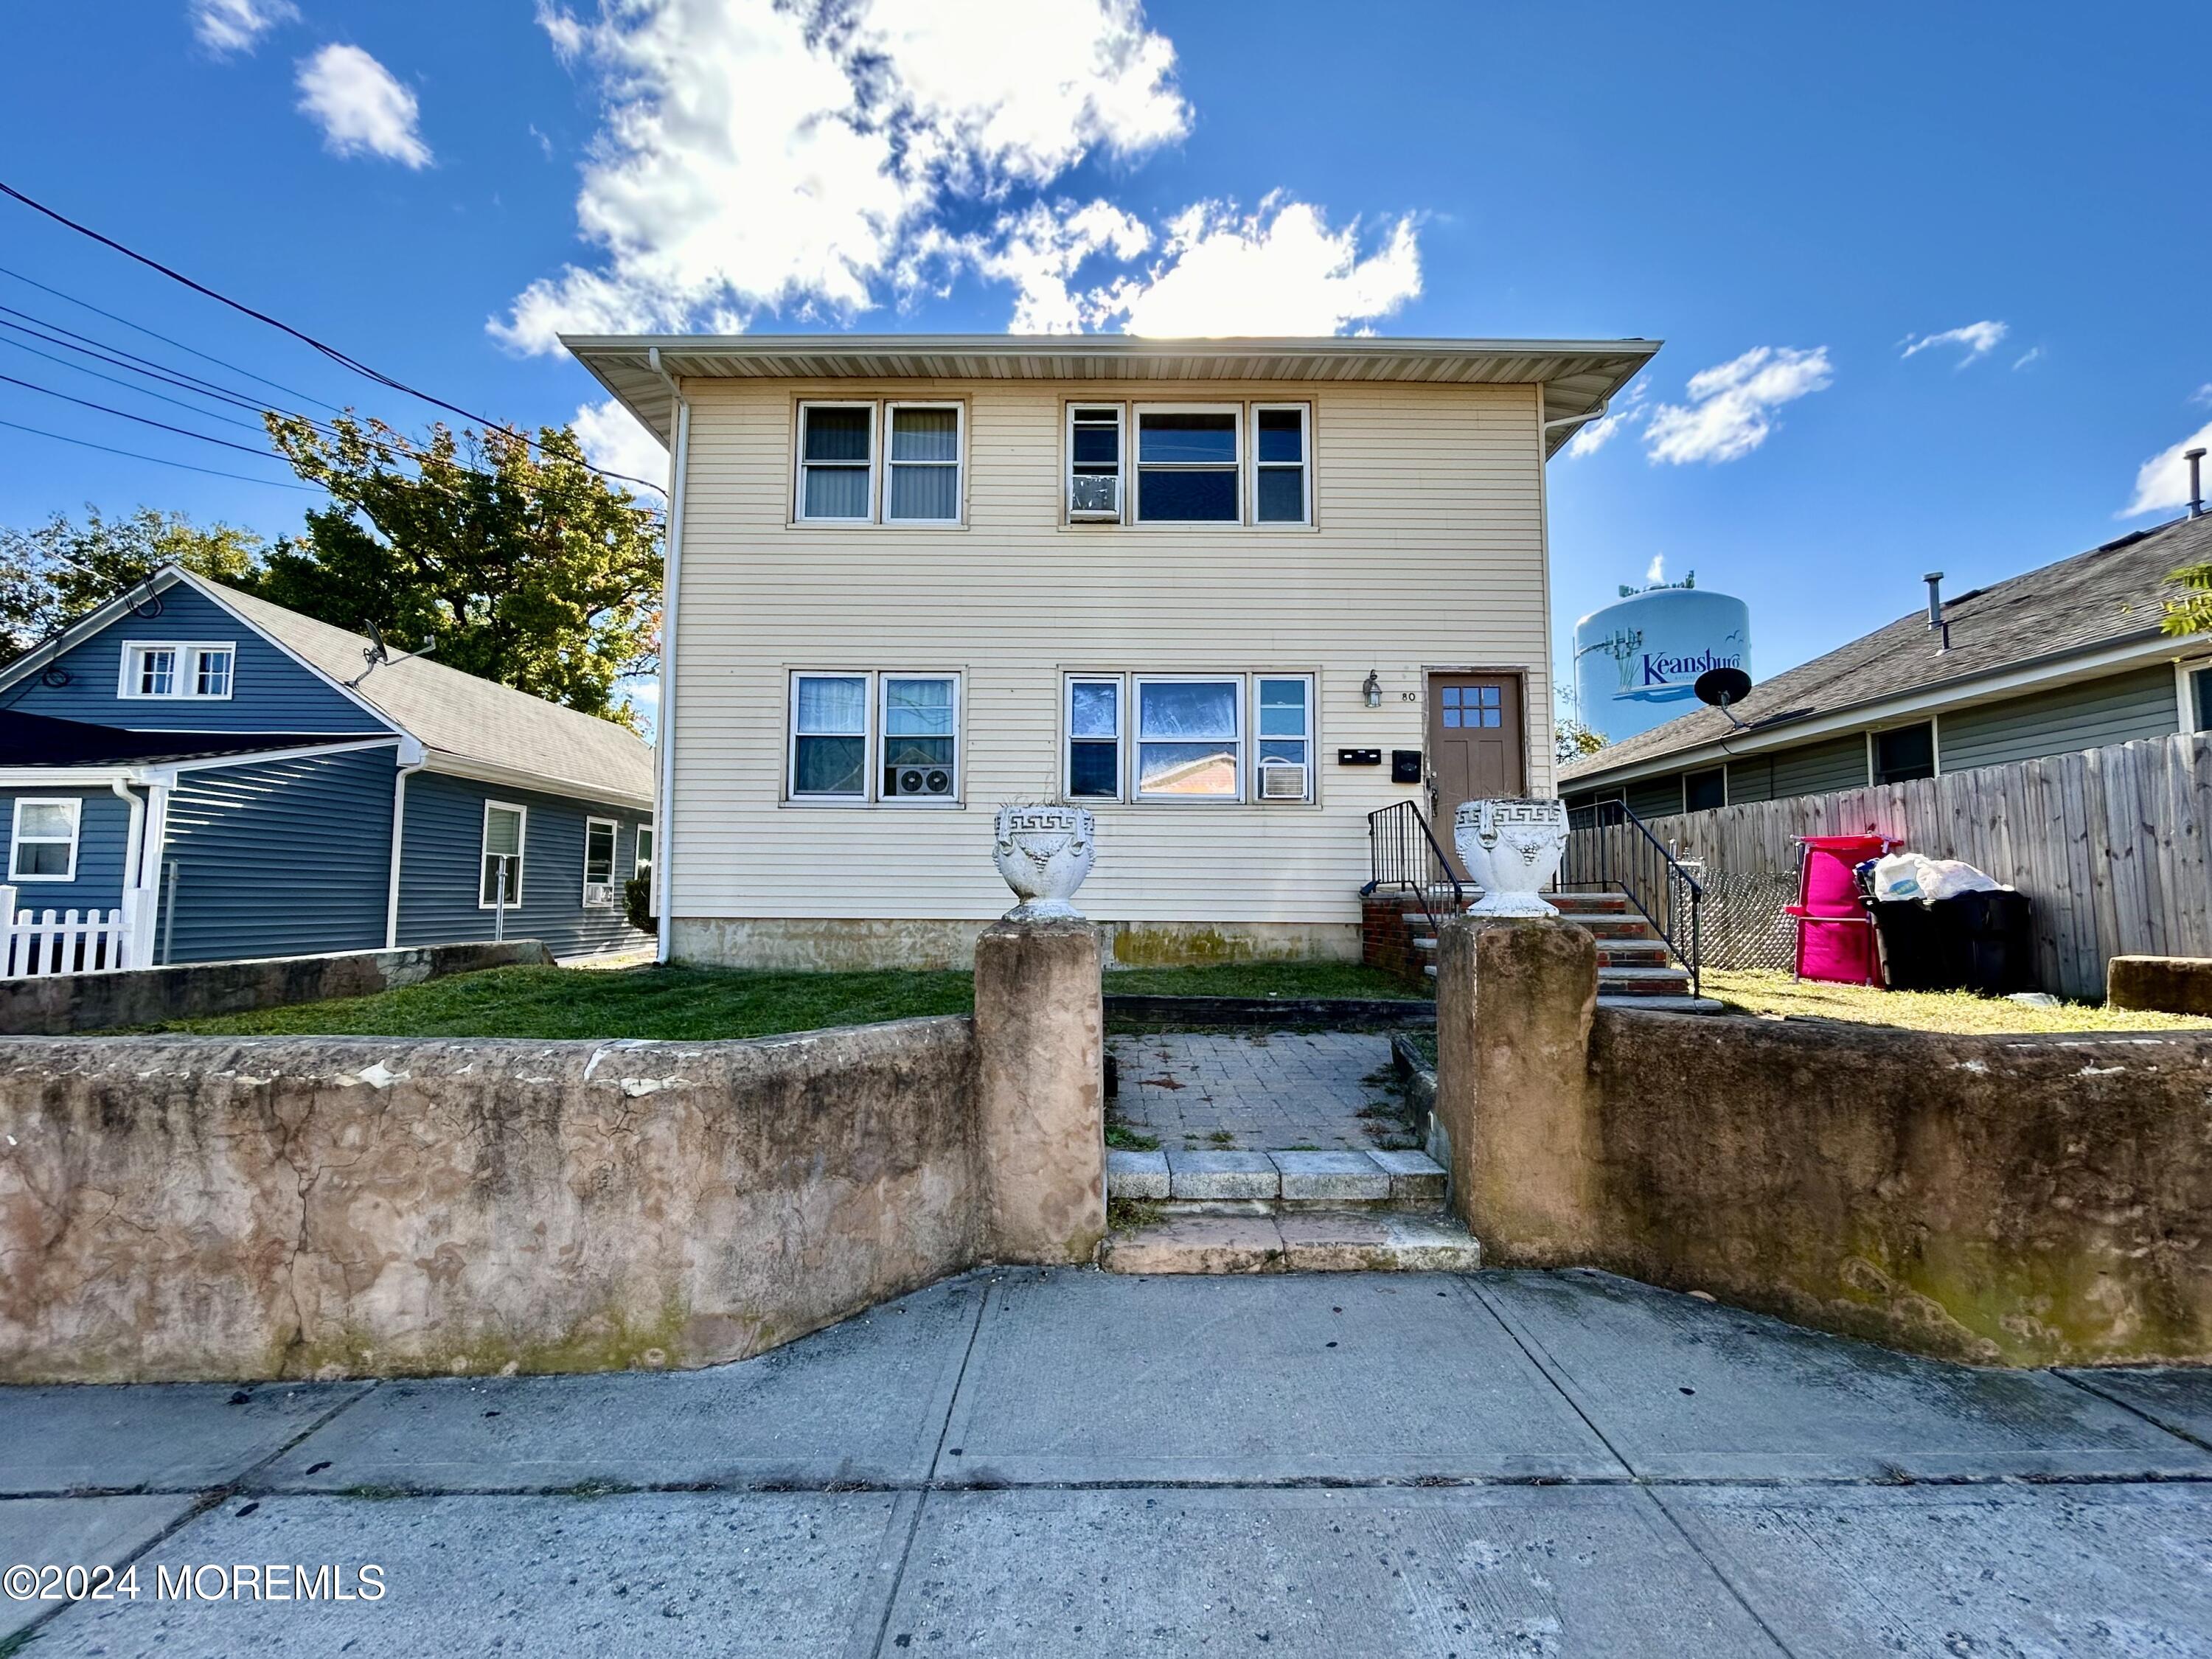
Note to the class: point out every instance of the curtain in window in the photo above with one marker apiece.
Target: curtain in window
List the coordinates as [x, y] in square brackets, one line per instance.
[917, 722]
[925, 464]
[836, 492]
[830, 738]
[837, 434]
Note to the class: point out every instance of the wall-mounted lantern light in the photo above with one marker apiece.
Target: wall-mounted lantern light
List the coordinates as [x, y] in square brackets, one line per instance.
[1373, 689]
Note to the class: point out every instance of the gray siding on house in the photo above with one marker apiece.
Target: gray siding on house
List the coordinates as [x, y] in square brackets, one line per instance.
[441, 867]
[2118, 708]
[280, 858]
[103, 833]
[1655, 798]
[1750, 780]
[272, 692]
[1839, 763]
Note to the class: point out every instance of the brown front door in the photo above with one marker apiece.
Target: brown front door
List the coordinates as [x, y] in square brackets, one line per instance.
[1474, 744]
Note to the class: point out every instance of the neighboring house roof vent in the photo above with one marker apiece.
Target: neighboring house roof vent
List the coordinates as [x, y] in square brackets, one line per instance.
[2195, 459]
[1936, 622]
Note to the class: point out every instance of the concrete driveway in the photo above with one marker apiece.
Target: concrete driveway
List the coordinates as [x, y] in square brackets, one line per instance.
[1035, 1464]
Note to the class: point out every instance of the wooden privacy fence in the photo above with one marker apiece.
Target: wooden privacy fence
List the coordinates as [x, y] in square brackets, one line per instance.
[2109, 844]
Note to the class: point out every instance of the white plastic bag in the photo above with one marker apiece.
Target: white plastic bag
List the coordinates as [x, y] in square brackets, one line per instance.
[1910, 875]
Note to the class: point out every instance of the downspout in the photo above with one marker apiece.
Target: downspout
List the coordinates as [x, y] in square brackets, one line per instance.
[129, 900]
[1597, 414]
[407, 769]
[671, 585]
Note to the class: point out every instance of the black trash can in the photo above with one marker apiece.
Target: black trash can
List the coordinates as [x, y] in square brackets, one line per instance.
[1910, 938]
[1975, 942]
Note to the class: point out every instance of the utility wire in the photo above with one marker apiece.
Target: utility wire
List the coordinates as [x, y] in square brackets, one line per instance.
[156, 335]
[331, 351]
[132, 386]
[133, 454]
[143, 420]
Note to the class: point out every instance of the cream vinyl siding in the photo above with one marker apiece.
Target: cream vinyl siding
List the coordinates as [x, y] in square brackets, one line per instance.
[1427, 551]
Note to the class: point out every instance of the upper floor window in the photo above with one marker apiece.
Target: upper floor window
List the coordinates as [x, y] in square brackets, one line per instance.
[45, 835]
[1278, 460]
[1094, 461]
[924, 455]
[1187, 465]
[168, 670]
[1190, 462]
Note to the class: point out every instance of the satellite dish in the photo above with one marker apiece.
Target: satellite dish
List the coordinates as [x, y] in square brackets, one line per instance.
[1722, 686]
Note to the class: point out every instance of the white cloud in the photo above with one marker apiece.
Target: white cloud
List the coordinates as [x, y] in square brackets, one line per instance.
[2162, 482]
[613, 438]
[1731, 408]
[1655, 572]
[1977, 340]
[1281, 270]
[759, 154]
[2202, 394]
[1599, 433]
[227, 26]
[2031, 354]
[361, 107]
[1038, 251]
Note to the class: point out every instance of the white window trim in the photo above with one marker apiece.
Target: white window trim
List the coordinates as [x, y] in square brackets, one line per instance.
[1068, 682]
[521, 854]
[2185, 669]
[1311, 741]
[891, 408]
[1122, 469]
[871, 792]
[1136, 772]
[1304, 412]
[76, 805]
[187, 673]
[614, 859]
[798, 513]
[1131, 493]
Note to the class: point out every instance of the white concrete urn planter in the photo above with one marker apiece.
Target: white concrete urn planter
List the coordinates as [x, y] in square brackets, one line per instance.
[1511, 847]
[1044, 852]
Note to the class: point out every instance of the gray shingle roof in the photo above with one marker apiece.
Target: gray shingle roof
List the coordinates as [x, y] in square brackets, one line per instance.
[464, 715]
[2106, 596]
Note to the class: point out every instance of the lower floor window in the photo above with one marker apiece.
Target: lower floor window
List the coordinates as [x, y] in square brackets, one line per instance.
[878, 736]
[46, 840]
[599, 862]
[644, 864]
[504, 827]
[1223, 738]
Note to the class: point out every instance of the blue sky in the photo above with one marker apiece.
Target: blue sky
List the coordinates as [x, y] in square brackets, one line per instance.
[1790, 197]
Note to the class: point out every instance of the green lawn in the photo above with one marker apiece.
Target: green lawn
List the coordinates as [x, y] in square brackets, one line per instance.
[685, 1005]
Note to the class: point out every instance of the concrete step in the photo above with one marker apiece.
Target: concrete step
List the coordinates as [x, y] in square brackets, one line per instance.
[1324, 1240]
[1589, 904]
[1645, 1002]
[1268, 1180]
[1634, 979]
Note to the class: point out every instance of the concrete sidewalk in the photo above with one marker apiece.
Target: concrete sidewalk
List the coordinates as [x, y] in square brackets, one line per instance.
[1032, 1464]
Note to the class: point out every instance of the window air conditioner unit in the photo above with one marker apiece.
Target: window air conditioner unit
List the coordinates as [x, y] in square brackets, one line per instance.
[1282, 780]
[1091, 495]
[920, 782]
[598, 896]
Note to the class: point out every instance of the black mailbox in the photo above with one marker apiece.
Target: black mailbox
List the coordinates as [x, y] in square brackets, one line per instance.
[1359, 757]
[1405, 766]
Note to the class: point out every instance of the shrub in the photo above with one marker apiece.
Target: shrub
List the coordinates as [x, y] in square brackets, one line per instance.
[637, 903]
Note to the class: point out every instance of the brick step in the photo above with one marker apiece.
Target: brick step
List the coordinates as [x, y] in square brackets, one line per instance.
[1589, 904]
[1629, 929]
[1324, 1240]
[1611, 952]
[1266, 1180]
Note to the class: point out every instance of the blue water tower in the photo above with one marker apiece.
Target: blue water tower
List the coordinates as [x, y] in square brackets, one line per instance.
[1636, 661]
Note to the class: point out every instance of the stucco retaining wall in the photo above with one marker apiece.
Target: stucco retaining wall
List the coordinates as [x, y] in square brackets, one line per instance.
[62, 1003]
[176, 1208]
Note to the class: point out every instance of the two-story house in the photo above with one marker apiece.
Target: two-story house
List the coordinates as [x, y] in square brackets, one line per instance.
[237, 779]
[1234, 596]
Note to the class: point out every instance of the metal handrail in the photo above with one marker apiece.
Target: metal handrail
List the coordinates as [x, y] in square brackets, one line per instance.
[1403, 854]
[1610, 848]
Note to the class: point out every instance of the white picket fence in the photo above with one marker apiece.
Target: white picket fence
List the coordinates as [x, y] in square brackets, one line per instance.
[71, 942]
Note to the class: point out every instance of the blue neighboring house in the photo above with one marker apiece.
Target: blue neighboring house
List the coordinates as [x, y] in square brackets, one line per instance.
[241, 780]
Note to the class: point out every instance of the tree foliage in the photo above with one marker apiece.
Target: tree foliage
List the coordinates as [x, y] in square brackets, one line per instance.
[524, 567]
[2192, 612]
[1571, 740]
[62, 570]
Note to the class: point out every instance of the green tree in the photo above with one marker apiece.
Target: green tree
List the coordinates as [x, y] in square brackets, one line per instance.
[2192, 612]
[53, 574]
[526, 568]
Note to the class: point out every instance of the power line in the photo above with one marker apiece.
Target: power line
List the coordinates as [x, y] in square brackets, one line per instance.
[156, 335]
[143, 420]
[133, 454]
[331, 351]
[116, 380]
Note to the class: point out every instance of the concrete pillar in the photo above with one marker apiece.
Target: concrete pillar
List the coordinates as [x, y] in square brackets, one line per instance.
[1041, 1088]
[1515, 1001]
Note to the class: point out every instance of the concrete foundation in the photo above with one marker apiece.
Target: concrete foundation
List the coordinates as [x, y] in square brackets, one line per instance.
[830, 943]
[2171, 985]
[1041, 1090]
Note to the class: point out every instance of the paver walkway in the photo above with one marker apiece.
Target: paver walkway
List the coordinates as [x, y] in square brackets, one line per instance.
[1035, 1464]
[1265, 1093]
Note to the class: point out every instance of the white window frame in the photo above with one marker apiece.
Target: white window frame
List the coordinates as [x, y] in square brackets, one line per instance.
[799, 463]
[614, 857]
[76, 805]
[1124, 428]
[1133, 465]
[1311, 741]
[1241, 702]
[1304, 412]
[1068, 682]
[892, 407]
[641, 852]
[872, 721]
[521, 854]
[185, 680]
